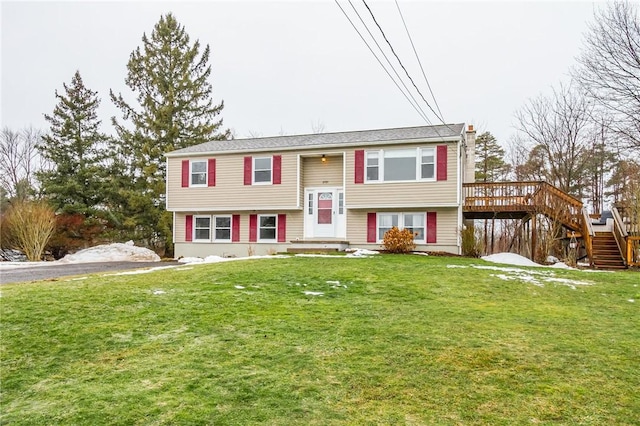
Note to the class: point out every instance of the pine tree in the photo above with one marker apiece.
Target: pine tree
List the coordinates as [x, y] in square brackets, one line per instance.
[74, 147]
[175, 110]
[490, 164]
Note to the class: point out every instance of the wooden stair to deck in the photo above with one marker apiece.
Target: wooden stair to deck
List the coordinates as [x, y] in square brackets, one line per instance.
[606, 254]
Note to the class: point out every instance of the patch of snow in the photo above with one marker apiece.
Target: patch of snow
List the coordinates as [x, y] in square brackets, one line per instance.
[520, 277]
[561, 265]
[239, 287]
[77, 279]
[510, 259]
[336, 284]
[421, 253]
[116, 252]
[159, 292]
[361, 252]
[332, 256]
[218, 259]
[184, 269]
[552, 259]
[513, 270]
[457, 266]
[631, 300]
[15, 265]
[314, 293]
[139, 271]
[190, 260]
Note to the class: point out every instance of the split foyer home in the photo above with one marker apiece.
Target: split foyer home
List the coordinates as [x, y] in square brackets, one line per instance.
[320, 191]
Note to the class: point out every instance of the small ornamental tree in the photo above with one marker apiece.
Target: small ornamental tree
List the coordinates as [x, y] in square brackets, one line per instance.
[28, 225]
[398, 241]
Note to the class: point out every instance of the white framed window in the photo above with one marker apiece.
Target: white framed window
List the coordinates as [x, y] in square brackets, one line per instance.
[373, 166]
[222, 228]
[198, 173]
[414, 222]
[340, 202]
[386, 221]
[267, 227]
[201, 228]
[262, 170]
[427, 163]
[310, 203]
[400, 165]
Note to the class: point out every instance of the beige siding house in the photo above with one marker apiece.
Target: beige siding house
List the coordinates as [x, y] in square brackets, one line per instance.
[320, 191]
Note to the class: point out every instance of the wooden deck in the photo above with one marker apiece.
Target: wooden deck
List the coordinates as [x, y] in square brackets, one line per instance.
[516, 200]
[526, 200]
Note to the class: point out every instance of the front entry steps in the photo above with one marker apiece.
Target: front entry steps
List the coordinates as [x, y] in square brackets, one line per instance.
[606, 254]
[317, 246]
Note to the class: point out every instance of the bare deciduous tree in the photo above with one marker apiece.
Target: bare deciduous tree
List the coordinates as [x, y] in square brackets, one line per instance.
[19, 160]
[557, 128]
[609, 70]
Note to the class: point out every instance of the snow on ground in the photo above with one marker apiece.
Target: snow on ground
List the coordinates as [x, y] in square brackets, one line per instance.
[116, 252]
[535, 277]
[510, 259]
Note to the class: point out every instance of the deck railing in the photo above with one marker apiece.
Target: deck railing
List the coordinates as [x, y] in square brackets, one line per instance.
[499, 196]
[532, 197]
[587, 233]
[620, 234]
[633, 250]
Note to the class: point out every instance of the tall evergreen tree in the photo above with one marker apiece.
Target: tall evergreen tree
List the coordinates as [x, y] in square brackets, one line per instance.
[74, 147]
[490, 164]
[170, 79]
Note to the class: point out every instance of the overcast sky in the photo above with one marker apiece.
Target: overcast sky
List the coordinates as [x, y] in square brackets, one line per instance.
[284, 67]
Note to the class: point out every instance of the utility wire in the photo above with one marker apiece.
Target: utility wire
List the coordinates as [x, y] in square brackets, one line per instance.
[420, 113]
[424, 115]
[400, 62]
[419, 62]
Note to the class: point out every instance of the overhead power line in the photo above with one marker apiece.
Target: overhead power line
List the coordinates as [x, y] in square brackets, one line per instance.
[424, 115]
[400, 62]
[419, 62]
[415, 106]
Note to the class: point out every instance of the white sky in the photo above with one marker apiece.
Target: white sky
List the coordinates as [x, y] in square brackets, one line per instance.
[282, 66]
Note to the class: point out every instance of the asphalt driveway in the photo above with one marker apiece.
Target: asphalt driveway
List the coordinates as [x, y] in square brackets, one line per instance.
[58, 270]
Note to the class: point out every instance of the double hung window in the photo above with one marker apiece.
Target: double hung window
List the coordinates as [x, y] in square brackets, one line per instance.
[400, 165]
[198, 173]
[267, 227]
[414, 222]
[202, 228]
[262, 169]
[222, 228]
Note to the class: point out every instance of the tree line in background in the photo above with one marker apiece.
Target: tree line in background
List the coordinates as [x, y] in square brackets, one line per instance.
[101, 188]
[584, 138]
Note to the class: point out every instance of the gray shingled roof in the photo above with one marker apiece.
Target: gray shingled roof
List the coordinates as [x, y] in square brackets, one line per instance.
[362, 137]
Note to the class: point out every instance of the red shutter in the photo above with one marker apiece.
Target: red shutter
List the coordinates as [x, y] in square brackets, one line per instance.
[359, 166]
[372, 228]
[431, 227]
[282, 228]
[277, 169]
[248, 164]
[235, 228]
[188, 226]
[211, 172]
[253, 228]
[185, 173]
[442, 162]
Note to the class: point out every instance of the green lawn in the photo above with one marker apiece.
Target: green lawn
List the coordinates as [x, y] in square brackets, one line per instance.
[392, 340]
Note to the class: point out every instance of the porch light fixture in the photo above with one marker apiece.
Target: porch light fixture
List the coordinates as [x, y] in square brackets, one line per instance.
[323, 159]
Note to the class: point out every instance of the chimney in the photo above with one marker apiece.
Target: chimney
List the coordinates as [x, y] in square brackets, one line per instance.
[470, 155]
